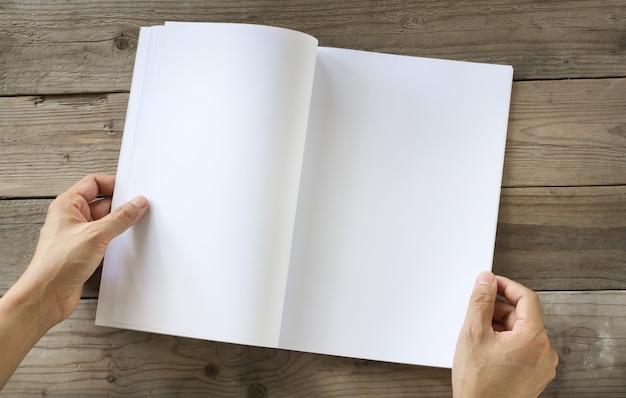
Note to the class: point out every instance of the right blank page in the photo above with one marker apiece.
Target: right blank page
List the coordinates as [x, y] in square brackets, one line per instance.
[398, 204]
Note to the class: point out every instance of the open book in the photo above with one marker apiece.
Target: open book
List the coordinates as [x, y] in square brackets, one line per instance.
[315, 199]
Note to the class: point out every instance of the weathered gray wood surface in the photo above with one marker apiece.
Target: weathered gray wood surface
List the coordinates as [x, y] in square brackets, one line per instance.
[77, 46]
[49, 142]
[563, 238]
[108, 362]
[65, 69]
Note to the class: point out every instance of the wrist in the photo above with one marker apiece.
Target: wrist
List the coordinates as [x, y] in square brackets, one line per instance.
[31, 299]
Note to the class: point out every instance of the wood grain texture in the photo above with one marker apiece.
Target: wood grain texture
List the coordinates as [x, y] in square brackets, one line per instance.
[588, 329]
[591, 365]
[563, 238]
[20, 222]
[81, 46]
[561, 133]
[567, 133]
[50, 142]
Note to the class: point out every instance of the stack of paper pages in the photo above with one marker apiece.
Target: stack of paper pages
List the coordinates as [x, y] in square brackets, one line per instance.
[301, 197]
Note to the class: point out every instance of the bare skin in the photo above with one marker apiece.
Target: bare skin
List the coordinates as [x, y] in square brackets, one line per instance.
[503, 349]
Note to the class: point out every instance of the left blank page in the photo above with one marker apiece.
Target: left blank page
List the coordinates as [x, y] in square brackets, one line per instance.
[214, 138]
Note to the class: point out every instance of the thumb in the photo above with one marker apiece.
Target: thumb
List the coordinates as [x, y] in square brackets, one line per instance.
[123, 217]
[478, 320]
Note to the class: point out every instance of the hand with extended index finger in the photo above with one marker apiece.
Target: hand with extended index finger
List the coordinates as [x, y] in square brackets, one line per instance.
[503, 349]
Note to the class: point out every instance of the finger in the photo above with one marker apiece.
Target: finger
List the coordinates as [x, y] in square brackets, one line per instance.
[478, 320]
[526, 302]
[93, 185]
[504, 314]
[100, 208]
[122, 218]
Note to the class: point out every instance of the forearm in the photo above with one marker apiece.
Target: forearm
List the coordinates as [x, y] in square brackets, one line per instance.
[24, 319]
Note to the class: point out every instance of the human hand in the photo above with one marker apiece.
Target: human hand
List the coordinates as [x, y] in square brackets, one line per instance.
[73, 239]
[503, 349]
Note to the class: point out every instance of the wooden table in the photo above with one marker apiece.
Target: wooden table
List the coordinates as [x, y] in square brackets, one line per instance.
[65, 71]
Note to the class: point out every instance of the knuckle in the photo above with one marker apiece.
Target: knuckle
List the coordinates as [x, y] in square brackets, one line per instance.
[124, 215]
[52, 207]
[533, 297]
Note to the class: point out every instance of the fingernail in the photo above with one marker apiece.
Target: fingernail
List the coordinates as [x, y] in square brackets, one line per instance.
[139, 201]
[485, 278]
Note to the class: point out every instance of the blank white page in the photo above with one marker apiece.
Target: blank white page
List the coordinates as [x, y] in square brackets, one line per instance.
[144, 73]
[217, 148]
[398, 204]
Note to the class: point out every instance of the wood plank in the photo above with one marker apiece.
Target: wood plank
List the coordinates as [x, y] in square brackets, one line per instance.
[563, 238]
[50, 142]
[547, 238]
[20, 222]
[588, 329]
[83, 46]
[567, 133]
[561, 133]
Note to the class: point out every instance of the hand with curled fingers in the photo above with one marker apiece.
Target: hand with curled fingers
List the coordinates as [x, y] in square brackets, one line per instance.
[503, 349]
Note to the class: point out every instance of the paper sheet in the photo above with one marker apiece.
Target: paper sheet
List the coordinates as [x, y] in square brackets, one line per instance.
[398, 204]
[217, 150]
